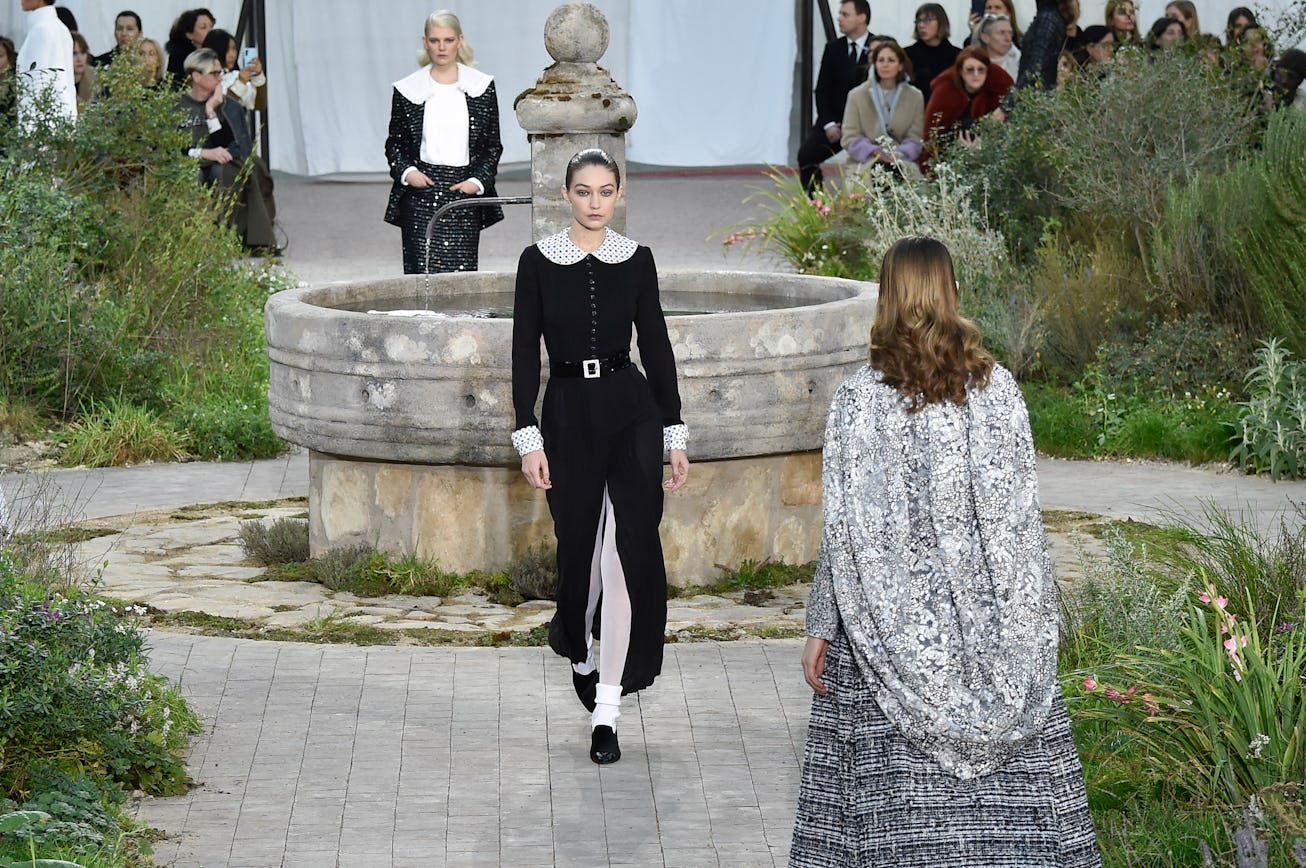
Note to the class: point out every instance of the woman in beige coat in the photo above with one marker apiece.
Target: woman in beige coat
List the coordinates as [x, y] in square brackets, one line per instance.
[884, 118]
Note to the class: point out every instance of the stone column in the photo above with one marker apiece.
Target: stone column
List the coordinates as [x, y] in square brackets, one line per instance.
[574, 105]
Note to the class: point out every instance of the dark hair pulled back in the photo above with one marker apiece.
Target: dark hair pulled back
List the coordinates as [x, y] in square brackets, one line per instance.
[592, 157]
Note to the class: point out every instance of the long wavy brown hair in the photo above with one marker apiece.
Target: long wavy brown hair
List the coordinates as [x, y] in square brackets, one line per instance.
[920, 342]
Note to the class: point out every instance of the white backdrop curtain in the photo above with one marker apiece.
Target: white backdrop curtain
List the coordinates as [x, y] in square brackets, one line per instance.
[714, 82]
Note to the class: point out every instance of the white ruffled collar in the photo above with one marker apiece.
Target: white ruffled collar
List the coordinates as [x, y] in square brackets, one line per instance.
[418, 86]
[561, 250]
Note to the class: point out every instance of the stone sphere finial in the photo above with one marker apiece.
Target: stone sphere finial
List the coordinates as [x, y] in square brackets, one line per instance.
[576, 33]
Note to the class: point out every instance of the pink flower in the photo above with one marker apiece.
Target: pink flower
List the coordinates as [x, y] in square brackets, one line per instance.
[1204, 597]
[1090, 684]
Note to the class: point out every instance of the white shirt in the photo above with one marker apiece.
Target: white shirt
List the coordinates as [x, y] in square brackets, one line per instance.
[446, 126]
[1010, 62]
[45, 62]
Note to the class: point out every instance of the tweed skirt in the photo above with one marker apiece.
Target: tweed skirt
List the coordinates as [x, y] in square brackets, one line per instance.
[455, 243]
[870, 798]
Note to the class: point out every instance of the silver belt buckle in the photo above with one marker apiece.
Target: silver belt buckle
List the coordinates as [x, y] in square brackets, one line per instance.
[590, 368]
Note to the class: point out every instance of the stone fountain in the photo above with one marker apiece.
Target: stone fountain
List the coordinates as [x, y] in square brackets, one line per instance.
[407, 419]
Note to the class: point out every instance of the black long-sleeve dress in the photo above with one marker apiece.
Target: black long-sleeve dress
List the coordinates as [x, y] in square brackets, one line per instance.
[608, 432]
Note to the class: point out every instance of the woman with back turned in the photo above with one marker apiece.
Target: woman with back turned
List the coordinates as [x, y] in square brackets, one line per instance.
[938, 735]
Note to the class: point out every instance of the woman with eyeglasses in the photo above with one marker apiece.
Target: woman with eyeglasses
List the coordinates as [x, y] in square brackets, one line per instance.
[1096, 50]
[931, 53]
[974, 88]
[884, 117]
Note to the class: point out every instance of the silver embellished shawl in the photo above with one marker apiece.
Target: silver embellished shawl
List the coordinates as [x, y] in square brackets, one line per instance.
[935, 558]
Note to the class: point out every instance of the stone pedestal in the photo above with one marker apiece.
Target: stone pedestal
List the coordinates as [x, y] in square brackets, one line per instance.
[482, 518]
[574, 105]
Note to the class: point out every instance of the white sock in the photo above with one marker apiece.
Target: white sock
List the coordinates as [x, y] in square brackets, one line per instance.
[607, 707]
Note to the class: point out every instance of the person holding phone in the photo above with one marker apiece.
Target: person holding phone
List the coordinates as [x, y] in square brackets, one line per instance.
[443, 146]
[242, 74]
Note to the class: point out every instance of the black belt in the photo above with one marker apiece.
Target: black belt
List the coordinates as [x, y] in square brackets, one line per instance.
[590, 368]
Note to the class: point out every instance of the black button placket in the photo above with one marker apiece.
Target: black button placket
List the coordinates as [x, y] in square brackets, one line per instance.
[594, 309]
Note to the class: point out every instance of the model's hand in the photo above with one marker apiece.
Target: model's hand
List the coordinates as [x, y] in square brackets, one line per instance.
[466, 187]
[679, 470]
[814, 663]
[535, 467]
[834, 133]
[418, 180]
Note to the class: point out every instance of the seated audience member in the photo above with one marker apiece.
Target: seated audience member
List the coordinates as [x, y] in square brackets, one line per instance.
[995, 7]
[1097, 49]
[241, 83]
[886, 107]
[1256, 48]
[126, 30]
[1240, 18]
[1289, 75]
[995, 36]
[1186, 11]
[1121, 21]
[1165, 34]
[222, 145]
[150, 55]
[187, 34]
[83, 71]
[972, 89]
[931, 53]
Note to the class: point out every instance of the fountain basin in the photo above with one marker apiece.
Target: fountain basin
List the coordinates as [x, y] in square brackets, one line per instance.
[407, 419]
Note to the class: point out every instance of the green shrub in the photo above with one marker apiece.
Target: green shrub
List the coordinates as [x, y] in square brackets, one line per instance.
[535, 574]
[284, 541]
[1108, 146]
[117, 282]
[847, 228]
[342, 569]
[1193, 354]
[227, 428]
[1214, 698]
[1273, 418]
[120, 433]
[1058, 421]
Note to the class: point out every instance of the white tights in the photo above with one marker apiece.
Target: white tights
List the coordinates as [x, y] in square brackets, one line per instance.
[607, 579]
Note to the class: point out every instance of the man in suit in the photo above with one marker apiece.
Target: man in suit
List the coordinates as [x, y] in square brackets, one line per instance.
[843, 67]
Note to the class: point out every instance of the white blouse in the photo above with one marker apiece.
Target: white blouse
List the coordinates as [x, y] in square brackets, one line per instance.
[446, 126]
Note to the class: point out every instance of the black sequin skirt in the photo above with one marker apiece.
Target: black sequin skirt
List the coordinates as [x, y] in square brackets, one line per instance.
[870, 798]
[455, 242]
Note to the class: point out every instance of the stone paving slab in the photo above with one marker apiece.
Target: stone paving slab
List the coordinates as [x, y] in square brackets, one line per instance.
[325, 755]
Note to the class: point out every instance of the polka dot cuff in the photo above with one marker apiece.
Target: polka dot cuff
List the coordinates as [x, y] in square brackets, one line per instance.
[527, 440]
[675, 437]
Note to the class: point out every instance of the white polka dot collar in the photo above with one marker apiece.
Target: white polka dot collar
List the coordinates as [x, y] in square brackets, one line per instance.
[561, 250]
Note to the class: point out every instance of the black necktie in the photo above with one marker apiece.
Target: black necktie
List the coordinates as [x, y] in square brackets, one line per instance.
[853, 53]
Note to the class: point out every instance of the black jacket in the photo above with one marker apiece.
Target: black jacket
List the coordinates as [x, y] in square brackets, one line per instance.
[484, 148]
[838, 75]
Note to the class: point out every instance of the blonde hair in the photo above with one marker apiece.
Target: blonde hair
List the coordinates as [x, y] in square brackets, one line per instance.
[445, 18]
[920, 342]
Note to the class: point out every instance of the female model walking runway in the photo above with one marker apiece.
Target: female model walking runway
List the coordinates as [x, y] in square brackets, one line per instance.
[597, 451]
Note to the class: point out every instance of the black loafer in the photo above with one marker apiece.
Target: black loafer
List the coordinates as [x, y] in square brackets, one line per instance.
[603, 745]
[585, 686]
